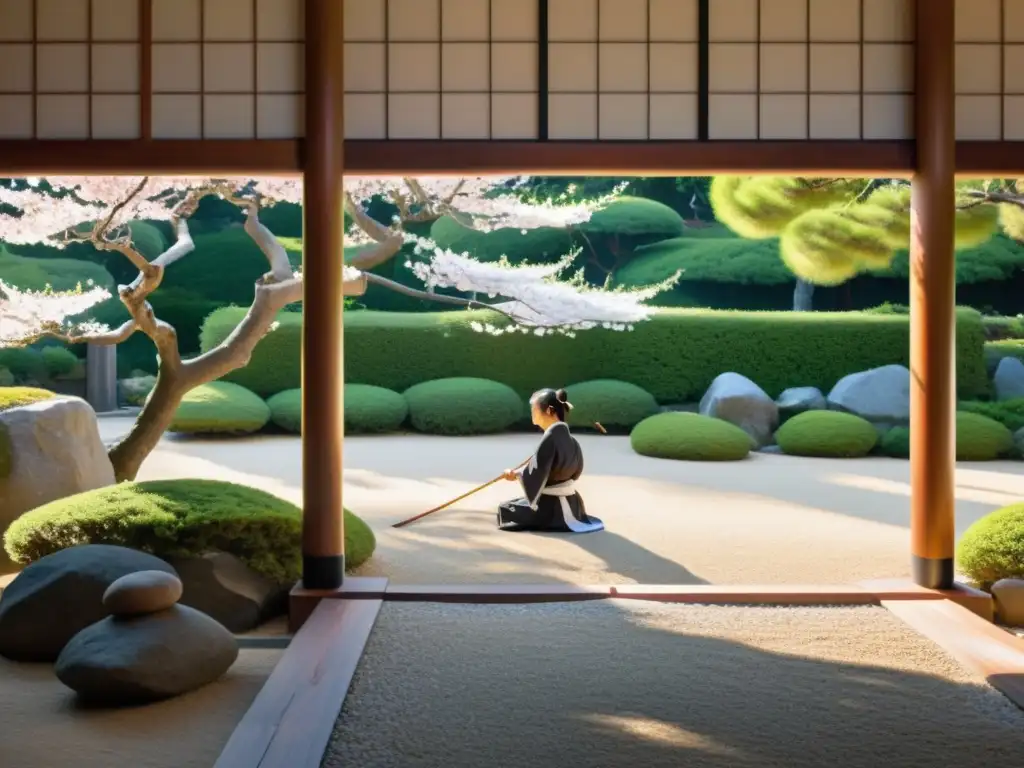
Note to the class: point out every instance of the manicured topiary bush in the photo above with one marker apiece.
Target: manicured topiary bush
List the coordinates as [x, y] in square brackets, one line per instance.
[978, 438]
[689, 437]
[58, 362]
[463, 406]
[614, 404]
[993, 547]
[1009, 413]
[276, 363]
[180, 518]
[286, 410]
[371, 410]
[895, 443]
[368, 410]
[220, 408]
[828, 434]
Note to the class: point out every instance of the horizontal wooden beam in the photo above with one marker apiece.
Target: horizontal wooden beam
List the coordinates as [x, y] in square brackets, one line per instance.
[577, 158]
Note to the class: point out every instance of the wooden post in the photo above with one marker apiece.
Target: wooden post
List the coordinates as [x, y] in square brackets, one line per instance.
[932, 300]
[323, 537]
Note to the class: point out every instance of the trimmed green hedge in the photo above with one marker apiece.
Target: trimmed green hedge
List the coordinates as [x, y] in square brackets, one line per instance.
[675, 355]
[220, 408]
[997, 350]
[978, 438]
[993, 547]
[827, 434]
[368, 410]
[373, 410]
[463, 406]
[689, 437]
[180, 518]
[612, 403]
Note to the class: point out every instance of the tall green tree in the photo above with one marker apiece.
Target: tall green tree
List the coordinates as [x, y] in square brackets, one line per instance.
[832, 229]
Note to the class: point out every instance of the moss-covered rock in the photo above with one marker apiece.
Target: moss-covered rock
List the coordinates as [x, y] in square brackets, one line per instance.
[220, 408]
[689, 437]
[286, 410]
[463, 406]
[181, 518]
[611, 403]
[827, 434]
[993, 547]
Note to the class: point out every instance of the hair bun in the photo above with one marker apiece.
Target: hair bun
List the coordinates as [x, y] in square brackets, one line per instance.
[563, 397]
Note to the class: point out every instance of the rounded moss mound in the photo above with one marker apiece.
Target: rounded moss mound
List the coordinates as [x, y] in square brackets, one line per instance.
[286, 410]
[463, 406]
[373, 410]
[689, 437]
[220, 408]
[978, 438]
[827, 434]
[896, 443]
[993, 547]
[612, 403]
[15, 397]
[180, 518]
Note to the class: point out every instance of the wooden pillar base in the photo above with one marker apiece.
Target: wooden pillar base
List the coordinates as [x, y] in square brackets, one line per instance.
[323, 571]
[933, 573]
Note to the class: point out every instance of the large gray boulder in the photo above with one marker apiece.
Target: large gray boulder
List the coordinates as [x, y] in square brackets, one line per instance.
[736, 399]
[134, 660]
[1009, 379]
[55, 451]
[222, 586]
[1009, 597]
[880, 395]
[61, 594]
[799, 399]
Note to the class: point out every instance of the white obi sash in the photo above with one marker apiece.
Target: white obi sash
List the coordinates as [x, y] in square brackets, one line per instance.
[564, 491]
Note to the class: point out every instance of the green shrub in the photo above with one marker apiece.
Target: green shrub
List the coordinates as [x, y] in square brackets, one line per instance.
[370, 409]
[829, 434]
[59, 362]
[979, 438]
[895, 443]
[180, 518]
[14, 397]
[1009, 413]
[689, 437]
[224, 267]
[136, 389]
[6, 378]
[62, 274]
[276, 363]
[220, 408]
[675, 355]
[540, 245]
[997, 350]
[637, 218]
[992, 548]
[463, 406]
[999, 328]
[720, 260]
[22, 362]
[286, 410]
[609, 402]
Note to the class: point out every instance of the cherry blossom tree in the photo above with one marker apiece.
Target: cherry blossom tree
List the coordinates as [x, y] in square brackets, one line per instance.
[526, 298]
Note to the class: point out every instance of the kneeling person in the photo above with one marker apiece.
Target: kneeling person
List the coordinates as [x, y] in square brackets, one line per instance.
[551, 502]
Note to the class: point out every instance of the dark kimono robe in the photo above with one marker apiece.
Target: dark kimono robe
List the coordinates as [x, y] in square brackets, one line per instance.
[550, 502]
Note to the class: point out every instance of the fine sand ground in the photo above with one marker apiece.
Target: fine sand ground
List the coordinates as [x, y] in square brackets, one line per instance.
[769, 519]
[616, 685]
[41, 726]
[608, 684]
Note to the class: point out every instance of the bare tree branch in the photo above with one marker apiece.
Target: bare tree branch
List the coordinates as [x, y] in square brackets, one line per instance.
[365, 222]
[280, 267]
[377, 254]
[437, 298]
[105, 339]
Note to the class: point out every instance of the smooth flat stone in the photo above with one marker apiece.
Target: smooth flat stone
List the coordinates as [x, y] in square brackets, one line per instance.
[142, 592]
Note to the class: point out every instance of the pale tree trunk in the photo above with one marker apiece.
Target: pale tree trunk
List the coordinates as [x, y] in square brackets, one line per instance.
[803, 296]
[156, 416]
